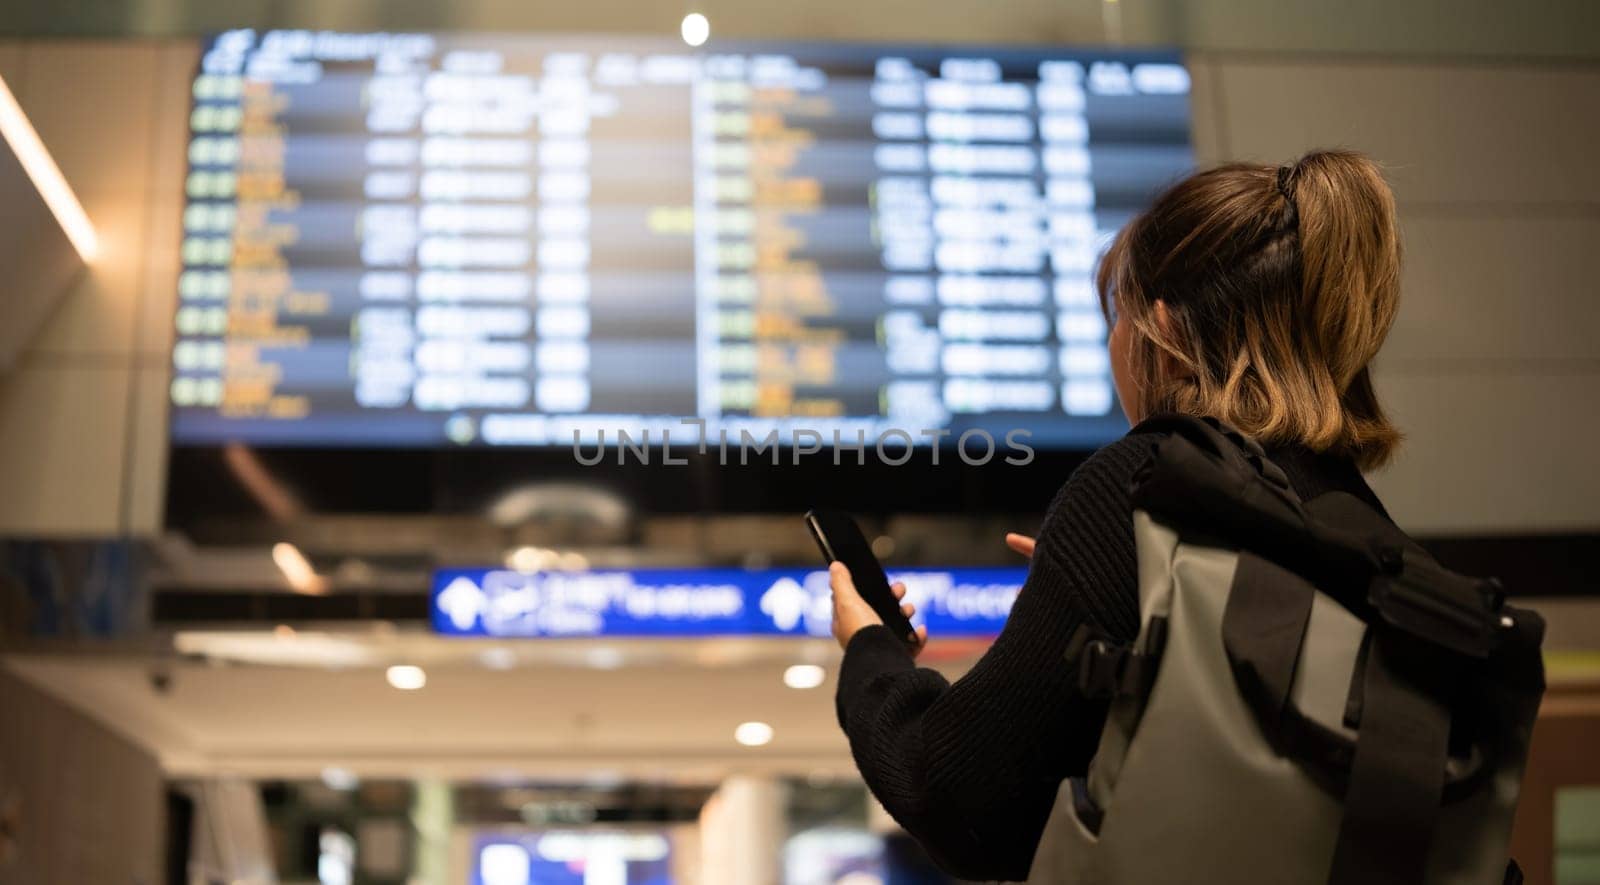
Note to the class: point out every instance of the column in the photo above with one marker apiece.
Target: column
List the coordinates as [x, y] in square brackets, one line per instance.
[743, 827]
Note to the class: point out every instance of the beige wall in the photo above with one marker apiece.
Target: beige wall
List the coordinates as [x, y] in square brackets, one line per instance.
[1494, 359]
[82, 414]
[91, 804]
[1490, 369]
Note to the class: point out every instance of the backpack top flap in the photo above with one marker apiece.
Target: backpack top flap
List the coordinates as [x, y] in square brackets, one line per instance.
[1210, 482]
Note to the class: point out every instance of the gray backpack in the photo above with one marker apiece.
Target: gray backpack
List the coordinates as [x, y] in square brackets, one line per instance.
[1311, 697]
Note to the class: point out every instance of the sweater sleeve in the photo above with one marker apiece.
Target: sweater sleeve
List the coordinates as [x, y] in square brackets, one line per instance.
[971, 769]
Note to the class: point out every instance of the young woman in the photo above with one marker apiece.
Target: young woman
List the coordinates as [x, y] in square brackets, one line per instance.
[1254, 294]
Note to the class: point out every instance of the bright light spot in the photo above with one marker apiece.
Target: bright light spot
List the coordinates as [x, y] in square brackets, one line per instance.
[498, 658]
[283, 632]
[573, 562]
[530, 560]
[605, 658]
[341, 779]
[503, 863]
[527, 559]
[296, 568]
[753, 734]
[604, 779]
[406, 677]
[804, 676]
[696, 28]
[52, 185]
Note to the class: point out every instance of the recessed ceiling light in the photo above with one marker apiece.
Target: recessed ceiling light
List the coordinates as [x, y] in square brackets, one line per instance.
[804, 676]
[753, 734]
[406, 677]
[696, 28]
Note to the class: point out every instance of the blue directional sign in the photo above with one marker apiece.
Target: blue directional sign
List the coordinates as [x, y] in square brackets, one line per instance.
[667, 603]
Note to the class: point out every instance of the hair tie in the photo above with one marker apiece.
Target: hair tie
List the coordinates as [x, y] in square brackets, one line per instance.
[1285, 185]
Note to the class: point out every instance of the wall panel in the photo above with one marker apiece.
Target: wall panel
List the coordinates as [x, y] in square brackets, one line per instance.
[1446, 133]
[61, 449]
[1511, 288]
[1493, 451]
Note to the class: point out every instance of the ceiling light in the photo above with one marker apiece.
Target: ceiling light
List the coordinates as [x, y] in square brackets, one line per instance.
[804, 676]
[528, 559]
[696, 28]
[46, 175]
[753, 734]
[572, 562]
[406, 677]
[341, 779]
[296, 568]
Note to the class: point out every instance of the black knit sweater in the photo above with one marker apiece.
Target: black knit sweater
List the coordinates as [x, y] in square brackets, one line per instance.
[971, 769]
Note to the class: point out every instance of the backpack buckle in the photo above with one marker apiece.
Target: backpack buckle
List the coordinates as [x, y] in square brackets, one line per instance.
[1100, 669]
[1108, 669]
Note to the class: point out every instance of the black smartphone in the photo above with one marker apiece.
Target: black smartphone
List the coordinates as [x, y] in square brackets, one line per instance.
[841, 541]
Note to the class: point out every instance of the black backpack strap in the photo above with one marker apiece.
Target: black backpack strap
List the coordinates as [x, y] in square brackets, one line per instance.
[1263, 629]
[1396, 786]
[1428, 626]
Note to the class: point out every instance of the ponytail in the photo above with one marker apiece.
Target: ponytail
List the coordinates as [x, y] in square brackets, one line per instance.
[1350, 258]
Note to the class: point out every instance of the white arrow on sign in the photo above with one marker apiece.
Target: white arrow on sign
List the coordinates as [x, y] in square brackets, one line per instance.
[785, 602]
[462, 601]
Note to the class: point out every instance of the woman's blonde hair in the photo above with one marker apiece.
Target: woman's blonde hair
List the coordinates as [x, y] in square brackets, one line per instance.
[1280, 284]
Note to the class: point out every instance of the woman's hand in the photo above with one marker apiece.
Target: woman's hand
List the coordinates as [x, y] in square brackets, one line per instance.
[1020, 543]
[851, 612]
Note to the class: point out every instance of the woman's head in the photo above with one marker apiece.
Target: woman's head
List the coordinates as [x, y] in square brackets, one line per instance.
[1258, 295]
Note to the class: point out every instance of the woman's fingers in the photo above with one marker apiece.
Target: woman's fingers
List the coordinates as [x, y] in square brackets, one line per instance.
[908, 609]
[839, 578]
[851, 613]
[899, 590]
[1020, 543]
[922, 641]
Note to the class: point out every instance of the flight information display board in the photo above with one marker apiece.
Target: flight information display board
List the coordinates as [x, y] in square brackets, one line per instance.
[436, 240]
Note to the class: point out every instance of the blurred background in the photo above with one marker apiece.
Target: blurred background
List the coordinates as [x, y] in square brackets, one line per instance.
[301, 577]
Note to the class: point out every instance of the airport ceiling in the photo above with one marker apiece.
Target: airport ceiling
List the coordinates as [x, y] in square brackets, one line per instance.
[287, 704]
[1556, 30]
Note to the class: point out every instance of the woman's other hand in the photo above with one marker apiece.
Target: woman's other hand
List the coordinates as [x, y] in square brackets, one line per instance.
[1020, 543]
[851, 613]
